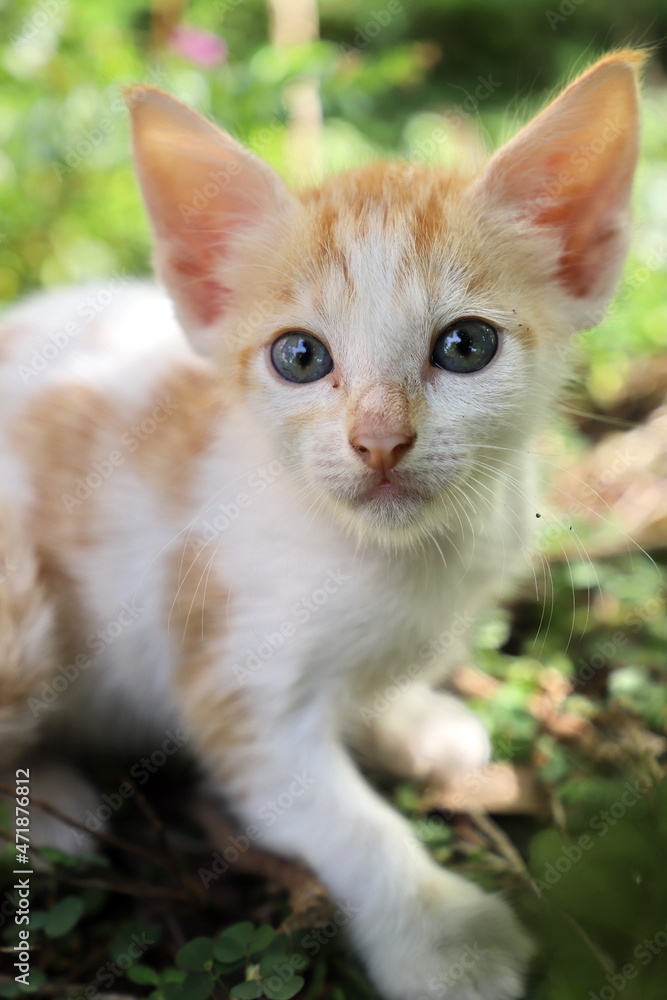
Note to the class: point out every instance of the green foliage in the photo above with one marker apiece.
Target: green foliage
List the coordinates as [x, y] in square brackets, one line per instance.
[265, 962]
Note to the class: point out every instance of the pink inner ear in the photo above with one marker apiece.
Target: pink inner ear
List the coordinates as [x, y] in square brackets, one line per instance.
[209, 297]
[571, 170]
[202, 190]
[590, 220]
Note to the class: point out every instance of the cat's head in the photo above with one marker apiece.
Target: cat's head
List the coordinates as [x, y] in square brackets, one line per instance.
[398, 330]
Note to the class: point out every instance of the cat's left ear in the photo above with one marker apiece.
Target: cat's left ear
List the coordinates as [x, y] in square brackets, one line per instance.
[570, 170]
[202, 190]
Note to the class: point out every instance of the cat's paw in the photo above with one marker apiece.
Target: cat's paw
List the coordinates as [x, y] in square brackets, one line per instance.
[430, 735]
[471, 947]
[449, 741]
[74, 797]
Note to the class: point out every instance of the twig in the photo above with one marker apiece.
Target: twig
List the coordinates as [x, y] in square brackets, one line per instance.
[155, 820]
[105, 838]
[141, 890]
[505, 847]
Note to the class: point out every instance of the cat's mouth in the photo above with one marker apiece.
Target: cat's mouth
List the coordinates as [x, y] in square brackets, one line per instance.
[388, 500]
[386, 487]
[389, 489]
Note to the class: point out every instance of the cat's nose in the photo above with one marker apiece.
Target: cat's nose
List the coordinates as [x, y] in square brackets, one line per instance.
[381, 453]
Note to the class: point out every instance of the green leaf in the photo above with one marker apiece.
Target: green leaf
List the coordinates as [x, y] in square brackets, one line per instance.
[13, 989]
[198, 986]
[262, 938]
[143, 974]
[172, 976]
[131, 933]
[195, 955]
[38, 919]
[173, 991]
[247, 991]
[283, 991]
[57, 857]
[268, 963]
[242, 932]
[227, 949]
[64, 916]
[37, 977]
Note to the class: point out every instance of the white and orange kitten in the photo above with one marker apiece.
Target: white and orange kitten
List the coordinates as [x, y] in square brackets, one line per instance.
[246, 506]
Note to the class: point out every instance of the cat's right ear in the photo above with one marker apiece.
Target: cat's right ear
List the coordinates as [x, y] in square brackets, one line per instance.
[202, 190]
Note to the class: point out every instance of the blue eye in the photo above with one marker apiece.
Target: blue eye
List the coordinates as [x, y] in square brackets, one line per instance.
[465, 346]
[300, 357]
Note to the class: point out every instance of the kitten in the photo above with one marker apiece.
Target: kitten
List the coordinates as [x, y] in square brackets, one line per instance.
[249, 516]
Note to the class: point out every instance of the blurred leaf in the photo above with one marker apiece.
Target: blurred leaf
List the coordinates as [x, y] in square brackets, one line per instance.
[63, 916]
[247, 991]
[196, 955]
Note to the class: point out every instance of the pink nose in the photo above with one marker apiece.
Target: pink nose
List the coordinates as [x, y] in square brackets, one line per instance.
[381, 453]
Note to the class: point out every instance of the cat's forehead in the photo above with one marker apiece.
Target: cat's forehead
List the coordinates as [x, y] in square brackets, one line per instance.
[378, 253]
[386, 207]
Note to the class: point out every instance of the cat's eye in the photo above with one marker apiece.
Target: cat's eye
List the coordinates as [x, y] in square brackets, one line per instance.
[465, 346]
[300, 357]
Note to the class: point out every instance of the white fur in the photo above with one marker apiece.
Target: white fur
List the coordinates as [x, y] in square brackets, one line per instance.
[333, 599]
[278, 554]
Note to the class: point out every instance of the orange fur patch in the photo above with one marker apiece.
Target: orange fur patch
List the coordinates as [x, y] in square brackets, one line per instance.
[198, 603]
[189, 404]
[69, 433]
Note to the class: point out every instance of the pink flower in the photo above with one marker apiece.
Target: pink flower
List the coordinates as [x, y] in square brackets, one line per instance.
[198, 46]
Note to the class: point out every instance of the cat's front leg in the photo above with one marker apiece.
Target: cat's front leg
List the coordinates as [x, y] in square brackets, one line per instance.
[420, 733]
[422, 932]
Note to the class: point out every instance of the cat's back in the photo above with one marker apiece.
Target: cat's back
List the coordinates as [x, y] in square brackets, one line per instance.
[86, 332]
[78, 367]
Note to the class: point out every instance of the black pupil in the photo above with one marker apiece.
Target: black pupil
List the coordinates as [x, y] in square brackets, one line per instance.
[302, 352]
[462, 340]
